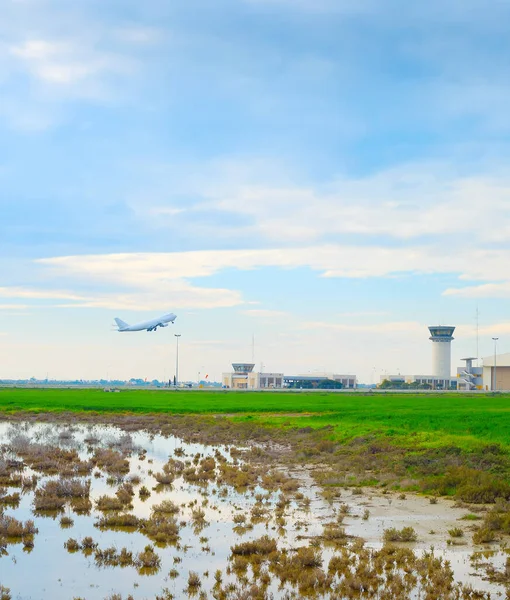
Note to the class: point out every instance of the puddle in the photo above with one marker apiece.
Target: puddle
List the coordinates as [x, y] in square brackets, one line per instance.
[209, 521]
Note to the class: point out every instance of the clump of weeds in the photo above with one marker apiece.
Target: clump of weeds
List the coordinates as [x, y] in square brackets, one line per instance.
[456, 532]
[5, 593]
[167, 507]
[147, 562]
[406, 534]
[194, 582]
[119, 521]
[66, 522]
[13, 530]
[111, 461]
[144, 492]
[72, 545]
[262, 547]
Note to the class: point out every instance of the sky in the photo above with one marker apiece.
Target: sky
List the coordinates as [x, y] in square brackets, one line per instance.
[324, 177]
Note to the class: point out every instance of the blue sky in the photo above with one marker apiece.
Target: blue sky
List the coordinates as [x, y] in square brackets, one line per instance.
[329, 176]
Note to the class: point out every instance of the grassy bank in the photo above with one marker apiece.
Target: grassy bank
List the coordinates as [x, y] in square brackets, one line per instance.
[410, 420]
[434, 443]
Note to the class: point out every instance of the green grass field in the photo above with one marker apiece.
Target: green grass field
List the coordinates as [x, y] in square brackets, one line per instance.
[411, 420]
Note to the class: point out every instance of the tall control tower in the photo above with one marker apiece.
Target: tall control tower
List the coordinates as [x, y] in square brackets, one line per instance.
[441, 337]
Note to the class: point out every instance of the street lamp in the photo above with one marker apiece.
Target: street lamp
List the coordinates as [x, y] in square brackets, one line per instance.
[494, 387]
[177, 335]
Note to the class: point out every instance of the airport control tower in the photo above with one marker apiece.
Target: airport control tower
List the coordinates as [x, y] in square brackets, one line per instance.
[441, 337]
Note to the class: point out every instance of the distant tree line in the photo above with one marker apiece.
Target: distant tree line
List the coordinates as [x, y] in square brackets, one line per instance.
[326, 384]
[403, 385]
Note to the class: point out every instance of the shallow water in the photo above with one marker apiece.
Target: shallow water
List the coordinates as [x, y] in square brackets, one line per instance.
[50, 571]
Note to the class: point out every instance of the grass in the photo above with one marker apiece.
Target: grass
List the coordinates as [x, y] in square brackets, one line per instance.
[418, 420]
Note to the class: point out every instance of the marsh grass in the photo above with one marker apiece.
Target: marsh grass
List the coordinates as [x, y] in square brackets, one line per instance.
[109, 503]
[66, 522]
[406, 534]
[5, 593]
[118, 521]
[9, 500]
[303, 571]
[147, 562]
[456, 532]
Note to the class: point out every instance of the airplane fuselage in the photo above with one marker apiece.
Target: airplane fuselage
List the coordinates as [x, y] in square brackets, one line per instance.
[151, 325]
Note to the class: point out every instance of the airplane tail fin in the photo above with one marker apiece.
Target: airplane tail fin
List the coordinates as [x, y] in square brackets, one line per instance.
[121, 324]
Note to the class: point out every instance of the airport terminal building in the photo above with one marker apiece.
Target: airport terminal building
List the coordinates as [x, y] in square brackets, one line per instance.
[244, 378]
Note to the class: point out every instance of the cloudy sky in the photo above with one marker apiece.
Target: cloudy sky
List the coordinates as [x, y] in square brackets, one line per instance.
[329, 176]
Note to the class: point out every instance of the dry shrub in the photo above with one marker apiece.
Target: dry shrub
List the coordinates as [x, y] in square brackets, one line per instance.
[5, 593]
[261, 547]
[147, 559]
[160, 528]
[456, 532]
[81, 506]
[49, 503]
[72, 545]
[110, 557]
[144, 492]
[11, 528]
[54, 494]
[333, 533]
[106, 503]
[484, 535]
[164, 478]
[116, 521]
[88, 543]
[167, 507]
[6, 499]
[66, 522]
[406, 534]
[194, 580]
[111, 461]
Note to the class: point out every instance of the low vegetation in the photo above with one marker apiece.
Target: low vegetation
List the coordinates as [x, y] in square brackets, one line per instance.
[260, 466]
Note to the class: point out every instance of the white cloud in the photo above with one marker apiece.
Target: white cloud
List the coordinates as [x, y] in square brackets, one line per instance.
[401, 203]
[37, 294]
[395, 327]
[14, 306]
[487, 290]
[331, 260]
[173, 294]
[67, 63]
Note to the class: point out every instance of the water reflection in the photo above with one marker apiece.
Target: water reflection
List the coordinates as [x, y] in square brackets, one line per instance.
[125, 519]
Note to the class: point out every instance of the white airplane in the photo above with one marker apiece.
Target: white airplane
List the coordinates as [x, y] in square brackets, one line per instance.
[151, 325]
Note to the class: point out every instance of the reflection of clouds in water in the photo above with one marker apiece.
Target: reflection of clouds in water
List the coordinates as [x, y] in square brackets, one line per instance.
[56, 574]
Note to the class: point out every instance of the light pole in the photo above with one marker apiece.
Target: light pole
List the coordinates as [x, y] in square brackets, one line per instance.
[494, 387]
[177, 335]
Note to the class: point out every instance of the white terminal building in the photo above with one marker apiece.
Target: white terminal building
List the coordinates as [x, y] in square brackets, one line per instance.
[496, 372]
[244, 378]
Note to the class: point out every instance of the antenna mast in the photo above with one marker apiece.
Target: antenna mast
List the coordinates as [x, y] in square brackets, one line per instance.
[477, 333]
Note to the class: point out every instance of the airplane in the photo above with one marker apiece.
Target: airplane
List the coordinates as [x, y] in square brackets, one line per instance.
[151, 325]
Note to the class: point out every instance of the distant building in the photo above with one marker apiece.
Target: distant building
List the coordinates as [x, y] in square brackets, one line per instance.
[441, 337]
[500, 368]
[244, 378]
[436, 383]
[430, 382]
[469, 377]
[317, 379]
